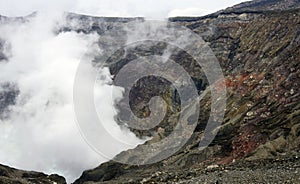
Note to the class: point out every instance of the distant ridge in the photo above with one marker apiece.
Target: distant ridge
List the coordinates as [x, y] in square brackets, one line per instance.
[257, 6]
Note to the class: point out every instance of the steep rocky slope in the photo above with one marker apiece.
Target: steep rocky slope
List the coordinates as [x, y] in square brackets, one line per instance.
[259, 54]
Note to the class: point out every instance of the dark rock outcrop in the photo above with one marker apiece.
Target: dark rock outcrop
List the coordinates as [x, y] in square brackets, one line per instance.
[13, 176]
[8, 96]
[88, 24]
[3, 56]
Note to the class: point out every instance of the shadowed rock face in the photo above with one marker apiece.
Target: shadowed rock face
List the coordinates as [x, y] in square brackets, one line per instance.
[8, 95]
[13, 176]
[4, 50]
[2, 55]
[258, 46]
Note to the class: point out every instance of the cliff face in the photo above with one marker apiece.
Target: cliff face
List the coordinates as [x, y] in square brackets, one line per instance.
[259, 55]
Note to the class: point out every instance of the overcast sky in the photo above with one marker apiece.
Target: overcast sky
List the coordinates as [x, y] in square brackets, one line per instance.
[155, 9]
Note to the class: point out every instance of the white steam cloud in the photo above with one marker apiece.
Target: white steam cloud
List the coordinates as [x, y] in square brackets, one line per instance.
[40, 133]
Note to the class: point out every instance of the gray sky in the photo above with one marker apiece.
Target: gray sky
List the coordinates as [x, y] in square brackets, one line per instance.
[156, 9]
